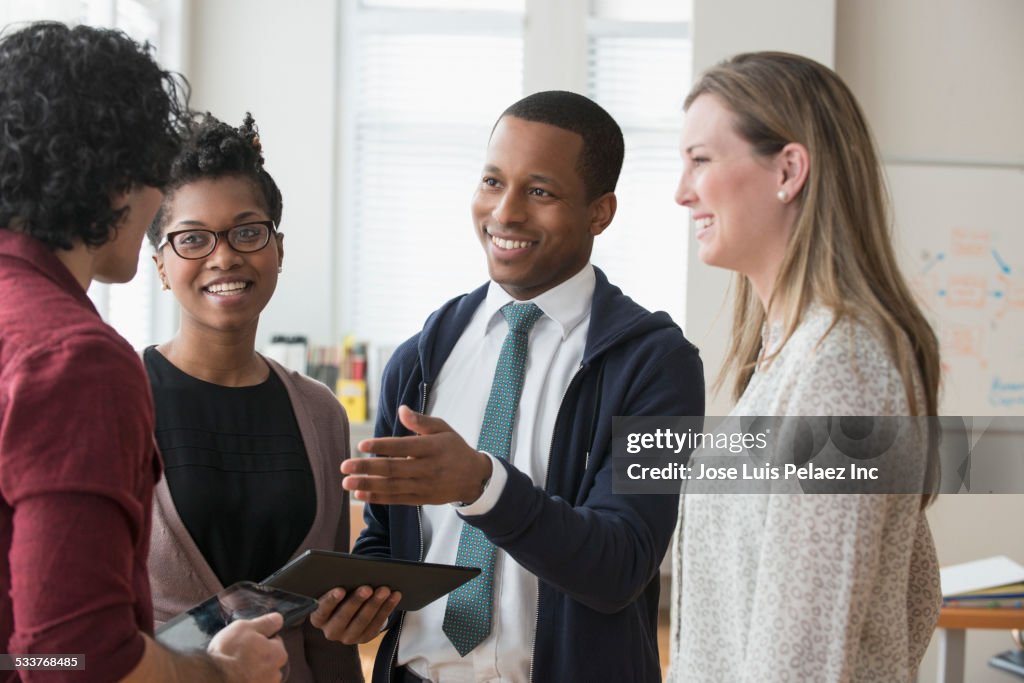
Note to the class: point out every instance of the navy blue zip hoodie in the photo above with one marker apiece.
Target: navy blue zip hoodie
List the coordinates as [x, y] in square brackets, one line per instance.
[596, 554]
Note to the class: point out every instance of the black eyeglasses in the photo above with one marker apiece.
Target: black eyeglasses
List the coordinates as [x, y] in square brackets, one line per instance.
[199, 243]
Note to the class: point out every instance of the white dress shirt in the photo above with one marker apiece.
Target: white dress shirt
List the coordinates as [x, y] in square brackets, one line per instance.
[459, 396]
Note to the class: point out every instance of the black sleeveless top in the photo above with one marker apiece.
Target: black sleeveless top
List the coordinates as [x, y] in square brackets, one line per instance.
[237, 469]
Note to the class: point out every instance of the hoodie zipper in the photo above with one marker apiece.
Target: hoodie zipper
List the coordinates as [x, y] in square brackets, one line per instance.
[419, 555]
[419, 520]
[419, 508]
[547, 481]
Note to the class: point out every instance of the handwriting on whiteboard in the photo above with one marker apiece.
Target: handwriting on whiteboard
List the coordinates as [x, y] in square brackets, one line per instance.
[977, 292]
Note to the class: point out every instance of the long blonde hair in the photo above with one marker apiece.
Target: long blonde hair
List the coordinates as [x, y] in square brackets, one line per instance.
[840, 252]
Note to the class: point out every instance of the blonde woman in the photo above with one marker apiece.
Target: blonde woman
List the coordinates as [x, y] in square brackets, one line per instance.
[784, 185]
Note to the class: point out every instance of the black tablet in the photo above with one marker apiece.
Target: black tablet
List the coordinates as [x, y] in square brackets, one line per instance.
[194, 629]
[317, 571]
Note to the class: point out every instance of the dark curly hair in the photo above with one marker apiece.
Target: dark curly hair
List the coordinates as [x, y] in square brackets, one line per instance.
[214, 149]
[85, 112]
[603, 148]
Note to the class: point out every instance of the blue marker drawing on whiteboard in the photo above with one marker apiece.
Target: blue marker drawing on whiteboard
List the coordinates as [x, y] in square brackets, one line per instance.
[931, 264]
[1002, 264]
[1006, 394]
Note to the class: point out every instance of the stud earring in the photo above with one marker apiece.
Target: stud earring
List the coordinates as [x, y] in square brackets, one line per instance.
[280, 269]
[783, 197]
[164, 286]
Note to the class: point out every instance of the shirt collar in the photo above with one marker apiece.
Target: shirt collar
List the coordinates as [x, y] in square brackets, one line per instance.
[30, 250]
[567, 304]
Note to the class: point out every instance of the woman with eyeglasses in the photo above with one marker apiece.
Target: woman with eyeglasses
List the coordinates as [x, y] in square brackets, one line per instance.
[251, 450]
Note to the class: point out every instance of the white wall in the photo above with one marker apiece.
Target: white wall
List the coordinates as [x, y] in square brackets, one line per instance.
[938, 79]
[279, 62]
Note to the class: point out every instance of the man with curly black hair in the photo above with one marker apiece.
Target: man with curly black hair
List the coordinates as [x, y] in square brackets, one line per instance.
[89, 124]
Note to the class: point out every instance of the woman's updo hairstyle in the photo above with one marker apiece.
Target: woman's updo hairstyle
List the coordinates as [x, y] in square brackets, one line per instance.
[213, 150]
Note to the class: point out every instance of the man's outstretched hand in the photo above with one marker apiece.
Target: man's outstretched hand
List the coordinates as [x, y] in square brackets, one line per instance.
[432, 467]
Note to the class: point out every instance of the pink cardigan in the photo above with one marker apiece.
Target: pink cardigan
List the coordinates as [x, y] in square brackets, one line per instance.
[180, 577]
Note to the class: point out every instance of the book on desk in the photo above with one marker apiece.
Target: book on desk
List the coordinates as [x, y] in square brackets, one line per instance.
[995, 582]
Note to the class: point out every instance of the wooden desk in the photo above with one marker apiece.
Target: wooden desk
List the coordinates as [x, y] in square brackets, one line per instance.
[953, 625]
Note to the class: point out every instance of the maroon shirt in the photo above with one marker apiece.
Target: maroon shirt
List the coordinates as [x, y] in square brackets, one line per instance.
[77, 469]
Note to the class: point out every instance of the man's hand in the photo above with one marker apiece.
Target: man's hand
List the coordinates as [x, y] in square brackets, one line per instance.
[434, 467]
[357, 618]
[248, 650]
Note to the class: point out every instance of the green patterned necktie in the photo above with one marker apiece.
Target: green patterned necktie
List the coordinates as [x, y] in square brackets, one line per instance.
[467, 616]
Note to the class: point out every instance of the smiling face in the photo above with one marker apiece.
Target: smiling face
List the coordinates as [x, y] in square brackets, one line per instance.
[530, 209]
[226, 290]
[732, 194]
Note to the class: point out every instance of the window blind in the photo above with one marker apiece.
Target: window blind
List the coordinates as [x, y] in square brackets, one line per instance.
[640, 73]
[508, 6]
[425, 103]
[428, 78]
[643, 10]
[130, 306]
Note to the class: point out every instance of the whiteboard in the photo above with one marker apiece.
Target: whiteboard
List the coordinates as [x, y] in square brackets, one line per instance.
[960, 235]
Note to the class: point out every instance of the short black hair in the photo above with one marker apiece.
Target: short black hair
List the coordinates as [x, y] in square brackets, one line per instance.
[600, 159]
[212, 150]
[85, 112]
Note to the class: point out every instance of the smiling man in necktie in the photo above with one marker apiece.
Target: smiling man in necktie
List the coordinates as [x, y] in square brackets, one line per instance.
[529, 368]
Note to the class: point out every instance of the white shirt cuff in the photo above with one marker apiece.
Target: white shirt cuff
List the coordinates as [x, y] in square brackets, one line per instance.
[487, 500]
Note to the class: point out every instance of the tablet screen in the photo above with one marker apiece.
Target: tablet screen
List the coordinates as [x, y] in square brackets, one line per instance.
[194, 629]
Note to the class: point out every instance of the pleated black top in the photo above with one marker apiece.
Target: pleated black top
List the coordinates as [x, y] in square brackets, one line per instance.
[236, 467]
